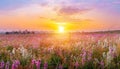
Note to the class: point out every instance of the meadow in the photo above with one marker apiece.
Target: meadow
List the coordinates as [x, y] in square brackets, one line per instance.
[71, 51]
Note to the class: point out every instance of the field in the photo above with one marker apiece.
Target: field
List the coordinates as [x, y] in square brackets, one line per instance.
[60, 51]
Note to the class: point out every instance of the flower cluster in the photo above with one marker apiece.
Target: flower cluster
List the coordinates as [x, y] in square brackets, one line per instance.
[96, 51]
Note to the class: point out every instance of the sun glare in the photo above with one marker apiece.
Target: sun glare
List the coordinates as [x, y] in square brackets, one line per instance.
[61, 29]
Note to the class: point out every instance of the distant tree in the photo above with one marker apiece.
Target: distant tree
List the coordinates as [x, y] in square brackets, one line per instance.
[6, 32]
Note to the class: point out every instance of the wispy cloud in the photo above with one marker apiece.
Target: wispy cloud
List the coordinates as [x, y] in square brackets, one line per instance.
[70, 10]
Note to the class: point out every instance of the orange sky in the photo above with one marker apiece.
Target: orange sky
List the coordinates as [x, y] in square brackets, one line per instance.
[73, 16]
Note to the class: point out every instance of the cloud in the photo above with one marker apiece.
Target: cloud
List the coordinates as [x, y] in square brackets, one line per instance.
[34, 10]
[71, 10]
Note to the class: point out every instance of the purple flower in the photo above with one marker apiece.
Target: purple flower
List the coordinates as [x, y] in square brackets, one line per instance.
[60, 66]
[33, 61]
[45, 65]
[102, 64]
[84, 54]
[7, 65]
[76, 65]
[84, 57]
[89, 56]
[15, 64]
[38, 64]
[2, 64]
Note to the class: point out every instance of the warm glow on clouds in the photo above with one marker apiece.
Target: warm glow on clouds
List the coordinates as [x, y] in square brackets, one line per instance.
[45, 14]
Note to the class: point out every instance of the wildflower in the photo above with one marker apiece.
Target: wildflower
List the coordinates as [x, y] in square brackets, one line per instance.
[111, 54]
[13, 51]
[102, 64]
[83, 61]
[89, 56]
[109, 58]
[96, 60]
[84, 57]
[84, 54]
[33, 61]
[2, 64]
[60, 66]
[15, 64]
[104, 55]
[76, 65]
[7, 65]
[38, 64]
[45, 65]
[23, 51]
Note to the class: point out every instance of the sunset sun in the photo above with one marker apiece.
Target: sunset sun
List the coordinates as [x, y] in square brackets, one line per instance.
[61, 29]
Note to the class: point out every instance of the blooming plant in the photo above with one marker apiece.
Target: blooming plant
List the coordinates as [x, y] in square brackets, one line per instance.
[84, 52]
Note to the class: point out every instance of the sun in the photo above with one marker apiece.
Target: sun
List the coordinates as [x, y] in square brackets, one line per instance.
[61, 29]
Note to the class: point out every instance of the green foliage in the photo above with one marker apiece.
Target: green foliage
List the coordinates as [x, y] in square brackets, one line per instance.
[88, 65]
[54, 60]
[24, 61]
[9, 48]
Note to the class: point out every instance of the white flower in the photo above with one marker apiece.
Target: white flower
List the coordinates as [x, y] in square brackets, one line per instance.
[104, 55]
[24, 52]
[109, 58]
[96, 60]
[13, 51]
[110, 54]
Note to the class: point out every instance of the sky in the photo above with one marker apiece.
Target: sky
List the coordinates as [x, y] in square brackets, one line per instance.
[47, 15]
